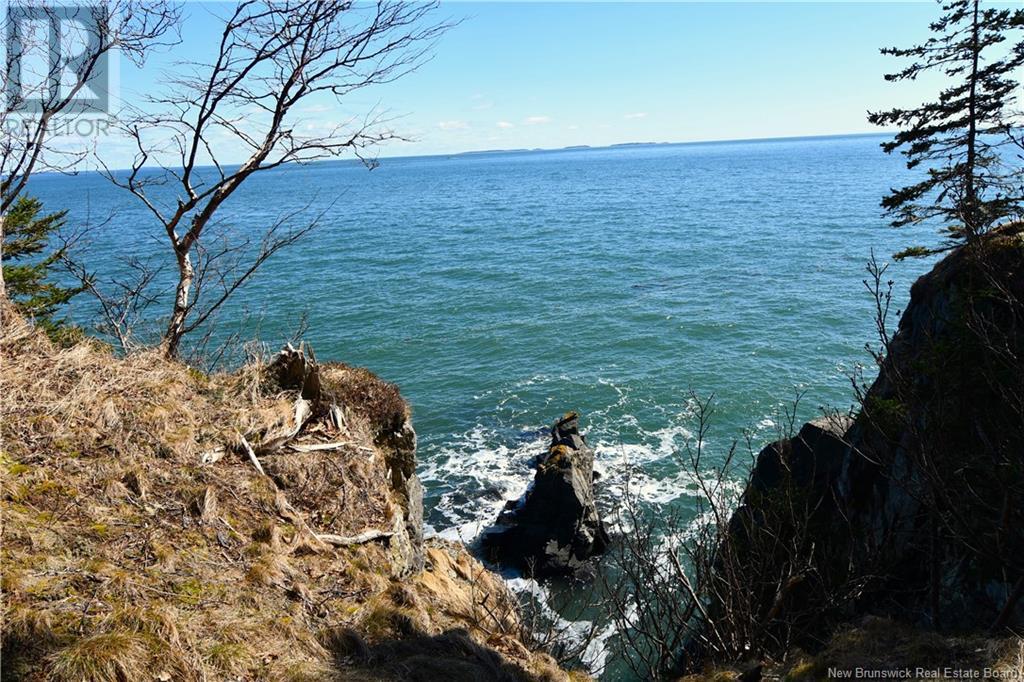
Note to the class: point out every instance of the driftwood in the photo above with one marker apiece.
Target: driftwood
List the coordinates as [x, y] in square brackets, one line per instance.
[317, 447]
[357, 539]
[252, 454]
[289, 513]
[303, 411]
[338, 417]
[295, 371]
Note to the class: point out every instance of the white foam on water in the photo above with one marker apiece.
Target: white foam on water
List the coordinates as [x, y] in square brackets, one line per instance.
[483, 474]
[474, 474]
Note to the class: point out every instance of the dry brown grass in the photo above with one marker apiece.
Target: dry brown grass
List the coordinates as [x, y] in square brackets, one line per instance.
[880, 644]
[126, 558]
[877, 645]
[377, 402]
[104, 657]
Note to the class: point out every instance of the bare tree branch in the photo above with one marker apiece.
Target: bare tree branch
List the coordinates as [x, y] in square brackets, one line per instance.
[272, 59]
[34, 103]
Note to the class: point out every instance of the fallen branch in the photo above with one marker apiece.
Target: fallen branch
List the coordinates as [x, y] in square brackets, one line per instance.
[358, 539]
[338, 417]
[303, 412]
[252, 454]
[289, 513]
[316, 447]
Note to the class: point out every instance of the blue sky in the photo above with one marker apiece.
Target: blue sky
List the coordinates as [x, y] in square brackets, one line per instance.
[530, 74]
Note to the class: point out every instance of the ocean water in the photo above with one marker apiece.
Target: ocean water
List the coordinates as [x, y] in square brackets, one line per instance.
[500, 290]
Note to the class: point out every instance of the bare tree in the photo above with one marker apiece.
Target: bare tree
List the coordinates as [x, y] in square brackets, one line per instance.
[736, 581]
[75, 47]
[668, 572]
[272, 59]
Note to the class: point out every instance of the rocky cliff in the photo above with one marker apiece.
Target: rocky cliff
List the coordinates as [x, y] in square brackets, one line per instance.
[162, 524]
[912, 507]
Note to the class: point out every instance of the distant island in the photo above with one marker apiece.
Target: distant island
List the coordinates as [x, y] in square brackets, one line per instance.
[620, 145]
[571, 148]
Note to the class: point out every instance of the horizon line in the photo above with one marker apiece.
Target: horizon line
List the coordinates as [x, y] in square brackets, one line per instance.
[583, 147]
[522, 150]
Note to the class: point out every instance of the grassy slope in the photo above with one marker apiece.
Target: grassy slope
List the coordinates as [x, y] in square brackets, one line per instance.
[126, 558]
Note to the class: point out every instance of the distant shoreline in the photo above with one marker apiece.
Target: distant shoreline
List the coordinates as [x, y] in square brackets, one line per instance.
[620, 145]
[534, 150]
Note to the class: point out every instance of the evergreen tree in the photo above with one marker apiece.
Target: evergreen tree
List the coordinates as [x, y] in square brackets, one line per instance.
[969, 187]
[27, 268]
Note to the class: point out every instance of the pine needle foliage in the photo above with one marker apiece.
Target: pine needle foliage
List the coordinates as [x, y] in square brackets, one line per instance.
[29, 262]
[964, 139]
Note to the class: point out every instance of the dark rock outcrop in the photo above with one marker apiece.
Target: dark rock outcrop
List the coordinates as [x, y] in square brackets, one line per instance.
[555, 528]
[809, 460]
[912, 509]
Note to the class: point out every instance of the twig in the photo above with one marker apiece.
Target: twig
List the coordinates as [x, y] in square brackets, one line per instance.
[299, 447]
[358, 539]
[252, 454]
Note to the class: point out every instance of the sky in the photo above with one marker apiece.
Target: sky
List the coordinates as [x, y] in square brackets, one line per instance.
[549, 75]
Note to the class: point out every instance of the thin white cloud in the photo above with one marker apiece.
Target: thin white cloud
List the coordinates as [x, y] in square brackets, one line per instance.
[505, 124]
[536, 120]
[572, 126]
[452, 125]
[639, 114]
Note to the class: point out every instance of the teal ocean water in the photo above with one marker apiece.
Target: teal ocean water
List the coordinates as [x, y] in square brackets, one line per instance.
[502, 289]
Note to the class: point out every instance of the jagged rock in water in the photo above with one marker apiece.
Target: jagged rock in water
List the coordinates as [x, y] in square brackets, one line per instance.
[556, 527]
